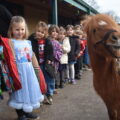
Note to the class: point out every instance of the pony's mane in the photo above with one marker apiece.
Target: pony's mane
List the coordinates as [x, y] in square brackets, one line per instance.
[93, 22]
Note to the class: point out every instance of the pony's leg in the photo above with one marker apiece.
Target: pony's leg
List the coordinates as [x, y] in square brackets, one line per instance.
[113, 115]
[118, 114]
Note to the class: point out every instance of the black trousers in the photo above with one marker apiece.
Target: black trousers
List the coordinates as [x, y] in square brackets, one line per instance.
[62, 70]
[78, 65]
[57, 80]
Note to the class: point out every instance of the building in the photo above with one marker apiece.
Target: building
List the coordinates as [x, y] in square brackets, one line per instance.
[61, 12]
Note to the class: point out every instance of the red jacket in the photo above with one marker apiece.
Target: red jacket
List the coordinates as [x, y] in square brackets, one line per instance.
[10, 61]
[83, 44]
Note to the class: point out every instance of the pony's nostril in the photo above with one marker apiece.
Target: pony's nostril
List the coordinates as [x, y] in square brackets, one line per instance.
[114, 37]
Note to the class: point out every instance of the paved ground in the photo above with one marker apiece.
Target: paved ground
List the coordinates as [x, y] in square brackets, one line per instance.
[74, 102]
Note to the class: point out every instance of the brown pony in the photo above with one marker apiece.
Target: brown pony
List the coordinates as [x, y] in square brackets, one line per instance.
[104, 50]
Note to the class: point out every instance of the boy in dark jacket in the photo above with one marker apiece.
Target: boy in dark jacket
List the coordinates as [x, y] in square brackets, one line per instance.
[43, 50]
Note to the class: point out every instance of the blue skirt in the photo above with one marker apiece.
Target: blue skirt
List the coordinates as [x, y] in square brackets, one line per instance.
[30, 96]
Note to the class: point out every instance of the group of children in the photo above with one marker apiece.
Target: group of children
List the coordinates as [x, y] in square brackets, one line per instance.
[53, 50]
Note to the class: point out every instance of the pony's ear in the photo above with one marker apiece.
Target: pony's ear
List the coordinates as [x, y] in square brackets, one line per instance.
[102, 23]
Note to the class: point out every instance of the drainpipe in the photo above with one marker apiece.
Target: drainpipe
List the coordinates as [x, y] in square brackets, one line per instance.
[54, 12]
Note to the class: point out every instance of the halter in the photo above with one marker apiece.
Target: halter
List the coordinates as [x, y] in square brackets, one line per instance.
[103, 41]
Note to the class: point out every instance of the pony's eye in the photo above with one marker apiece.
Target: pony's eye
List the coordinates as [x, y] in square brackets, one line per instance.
[94, 30]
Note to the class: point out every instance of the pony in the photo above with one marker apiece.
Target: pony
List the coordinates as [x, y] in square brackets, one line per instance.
[103, 40]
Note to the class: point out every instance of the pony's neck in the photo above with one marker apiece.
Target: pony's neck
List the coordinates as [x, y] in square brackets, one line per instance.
[102, 64]
[105, 66]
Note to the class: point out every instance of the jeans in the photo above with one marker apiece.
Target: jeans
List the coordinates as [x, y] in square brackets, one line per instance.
[86, 59]
[49, 81]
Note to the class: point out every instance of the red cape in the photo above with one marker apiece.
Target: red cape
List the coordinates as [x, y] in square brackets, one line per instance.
[10, 61]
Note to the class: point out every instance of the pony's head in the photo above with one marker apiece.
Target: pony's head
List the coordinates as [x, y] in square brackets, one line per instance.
[103, 35]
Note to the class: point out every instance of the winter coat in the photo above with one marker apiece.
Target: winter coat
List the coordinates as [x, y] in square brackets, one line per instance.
[75, 48]
[66, 49]
[57, 53]
[48, 48]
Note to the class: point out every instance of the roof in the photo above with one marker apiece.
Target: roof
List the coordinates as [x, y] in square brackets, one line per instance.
[80, 4]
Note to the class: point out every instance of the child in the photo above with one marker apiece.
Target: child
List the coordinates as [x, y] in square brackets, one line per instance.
[73, 54]
[86, 59]
[30, 96]
[78, 66]
[65, 44]
[44, 52]
[53, 36]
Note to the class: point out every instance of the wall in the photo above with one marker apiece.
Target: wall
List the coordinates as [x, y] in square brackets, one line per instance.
[33, 15]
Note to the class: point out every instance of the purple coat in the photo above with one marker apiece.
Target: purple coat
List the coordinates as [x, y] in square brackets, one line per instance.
[57, 53]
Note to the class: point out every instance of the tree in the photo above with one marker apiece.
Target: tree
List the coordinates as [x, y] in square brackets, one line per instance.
[113, 15]
[92, 3]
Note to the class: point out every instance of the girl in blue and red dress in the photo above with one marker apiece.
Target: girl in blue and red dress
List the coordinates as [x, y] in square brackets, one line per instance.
[29, 96]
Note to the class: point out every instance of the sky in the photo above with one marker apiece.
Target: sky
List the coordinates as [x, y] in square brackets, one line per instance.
[108, 5]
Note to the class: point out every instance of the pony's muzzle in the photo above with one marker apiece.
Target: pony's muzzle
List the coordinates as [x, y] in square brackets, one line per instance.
[115, 39]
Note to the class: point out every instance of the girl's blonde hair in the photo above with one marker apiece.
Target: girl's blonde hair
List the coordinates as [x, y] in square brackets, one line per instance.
[62, 29]
[69, 27]
[78, 30]
[52, 28]
[43, 26]
[17, 20]
[77, 27]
